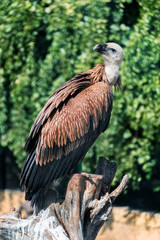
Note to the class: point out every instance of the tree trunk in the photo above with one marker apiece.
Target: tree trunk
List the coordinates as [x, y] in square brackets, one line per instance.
[79, 216]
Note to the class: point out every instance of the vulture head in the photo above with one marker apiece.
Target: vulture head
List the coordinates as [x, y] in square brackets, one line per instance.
[112, 54]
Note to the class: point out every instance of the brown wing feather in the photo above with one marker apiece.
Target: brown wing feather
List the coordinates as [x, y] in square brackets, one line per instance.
[72, 122]
[61, 96]
[66, 116]
[56, 101]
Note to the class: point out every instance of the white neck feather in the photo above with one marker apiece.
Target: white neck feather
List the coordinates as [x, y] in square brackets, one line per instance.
[112, 72]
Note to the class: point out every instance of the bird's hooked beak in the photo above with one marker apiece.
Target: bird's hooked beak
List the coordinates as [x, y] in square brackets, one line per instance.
[101, 48]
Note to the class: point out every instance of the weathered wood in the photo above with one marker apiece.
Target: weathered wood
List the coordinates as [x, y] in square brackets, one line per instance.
[78, 216]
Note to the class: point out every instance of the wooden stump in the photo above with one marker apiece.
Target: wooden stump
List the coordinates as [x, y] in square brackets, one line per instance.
[79, 216]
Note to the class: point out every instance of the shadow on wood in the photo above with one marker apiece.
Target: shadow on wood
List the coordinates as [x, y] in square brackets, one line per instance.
[78, 215]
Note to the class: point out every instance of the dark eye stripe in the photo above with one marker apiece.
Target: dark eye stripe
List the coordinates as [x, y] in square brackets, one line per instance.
[112, 49]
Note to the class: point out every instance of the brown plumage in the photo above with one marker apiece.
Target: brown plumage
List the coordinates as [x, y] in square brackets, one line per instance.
[67, 126]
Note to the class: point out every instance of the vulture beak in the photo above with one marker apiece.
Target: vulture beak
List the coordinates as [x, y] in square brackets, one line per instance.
[101, 48]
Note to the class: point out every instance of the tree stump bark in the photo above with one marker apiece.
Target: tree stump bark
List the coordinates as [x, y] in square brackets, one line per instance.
[79, 216]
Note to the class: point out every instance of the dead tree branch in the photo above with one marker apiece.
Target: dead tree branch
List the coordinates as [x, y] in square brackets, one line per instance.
[79, 216]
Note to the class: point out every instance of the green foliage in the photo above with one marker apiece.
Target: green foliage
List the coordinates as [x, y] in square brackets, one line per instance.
[44, 43]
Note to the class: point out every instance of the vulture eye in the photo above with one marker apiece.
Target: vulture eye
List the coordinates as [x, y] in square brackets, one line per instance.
[112, 50]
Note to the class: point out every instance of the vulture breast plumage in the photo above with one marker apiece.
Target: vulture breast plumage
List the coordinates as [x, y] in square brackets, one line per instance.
[68, 125]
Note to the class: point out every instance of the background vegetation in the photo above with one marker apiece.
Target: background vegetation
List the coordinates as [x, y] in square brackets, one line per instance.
[45, 43]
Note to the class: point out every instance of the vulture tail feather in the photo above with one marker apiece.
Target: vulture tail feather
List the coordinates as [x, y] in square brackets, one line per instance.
[28, 162]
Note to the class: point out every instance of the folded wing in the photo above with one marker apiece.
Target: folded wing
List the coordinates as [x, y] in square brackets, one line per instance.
[64, 131]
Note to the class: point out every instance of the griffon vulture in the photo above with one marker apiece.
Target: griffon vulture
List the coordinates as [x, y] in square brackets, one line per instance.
[69, 123]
